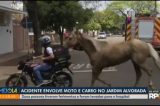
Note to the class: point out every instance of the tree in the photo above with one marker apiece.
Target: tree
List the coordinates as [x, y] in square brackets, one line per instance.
[62, 14]
[106, 20]
[111, 21]
[140, 7]
[32, 9]
[92, 25]
[54, 15]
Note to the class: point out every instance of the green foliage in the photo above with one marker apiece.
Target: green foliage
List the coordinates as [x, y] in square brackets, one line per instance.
[106, 20]
[113, 17]
[93, 25]
[140, 7]
[118, 5]
[54, 14]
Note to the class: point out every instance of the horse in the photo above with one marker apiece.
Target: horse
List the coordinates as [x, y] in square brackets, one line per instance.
[106, 53]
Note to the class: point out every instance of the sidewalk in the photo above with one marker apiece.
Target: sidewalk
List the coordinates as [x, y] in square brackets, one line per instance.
[5, 71]
[11, 59]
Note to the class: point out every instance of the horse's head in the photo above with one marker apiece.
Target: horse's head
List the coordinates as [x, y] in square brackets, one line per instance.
[72, 41]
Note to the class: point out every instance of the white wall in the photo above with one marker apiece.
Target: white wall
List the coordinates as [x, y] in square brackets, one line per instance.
[6, 38]
[17, 5]
[6, 4]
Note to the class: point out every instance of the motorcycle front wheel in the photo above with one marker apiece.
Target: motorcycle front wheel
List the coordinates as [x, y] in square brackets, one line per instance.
[62, 79]
[16, 81]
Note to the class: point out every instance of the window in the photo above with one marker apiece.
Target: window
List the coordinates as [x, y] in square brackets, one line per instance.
[146, 29]
[1, 18]
[4, 19]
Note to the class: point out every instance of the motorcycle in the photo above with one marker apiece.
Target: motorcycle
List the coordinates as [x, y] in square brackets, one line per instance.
[58, 76]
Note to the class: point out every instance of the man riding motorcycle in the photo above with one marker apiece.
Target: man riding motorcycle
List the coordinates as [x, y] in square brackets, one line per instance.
[47, 58]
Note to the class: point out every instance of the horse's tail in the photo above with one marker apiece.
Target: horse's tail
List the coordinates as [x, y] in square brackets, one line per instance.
[154, 54]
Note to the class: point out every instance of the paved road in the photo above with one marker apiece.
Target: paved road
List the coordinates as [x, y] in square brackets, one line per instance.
[114, 39]
[119, 76]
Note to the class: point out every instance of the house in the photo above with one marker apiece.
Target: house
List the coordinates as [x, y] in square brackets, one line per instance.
[13, 37]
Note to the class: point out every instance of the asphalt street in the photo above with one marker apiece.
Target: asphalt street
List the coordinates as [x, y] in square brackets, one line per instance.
[119, 76]
[122, 75]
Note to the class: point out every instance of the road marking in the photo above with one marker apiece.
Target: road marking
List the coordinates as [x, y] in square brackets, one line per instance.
[84, 71]
[78, 66]
[88, 65]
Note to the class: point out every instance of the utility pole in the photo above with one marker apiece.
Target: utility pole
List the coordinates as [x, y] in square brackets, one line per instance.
[155, 9]
[125, 22]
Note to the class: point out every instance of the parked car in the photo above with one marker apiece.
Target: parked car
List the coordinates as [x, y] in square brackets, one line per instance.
[102, 35]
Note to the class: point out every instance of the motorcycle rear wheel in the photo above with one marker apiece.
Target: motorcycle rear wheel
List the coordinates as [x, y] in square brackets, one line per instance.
[62, 79]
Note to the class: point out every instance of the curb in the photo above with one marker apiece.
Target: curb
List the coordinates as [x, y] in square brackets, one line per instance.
[9, 60]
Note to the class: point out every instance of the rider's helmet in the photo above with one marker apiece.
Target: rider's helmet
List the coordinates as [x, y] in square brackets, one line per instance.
[45, 40]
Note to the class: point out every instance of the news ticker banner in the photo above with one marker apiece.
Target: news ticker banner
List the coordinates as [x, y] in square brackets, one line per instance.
[78, 93]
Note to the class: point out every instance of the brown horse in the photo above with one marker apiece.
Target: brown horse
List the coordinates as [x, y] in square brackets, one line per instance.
[104, 54]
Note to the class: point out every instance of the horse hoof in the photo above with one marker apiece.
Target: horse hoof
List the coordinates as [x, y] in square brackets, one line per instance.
[151, 87]
[109, 85]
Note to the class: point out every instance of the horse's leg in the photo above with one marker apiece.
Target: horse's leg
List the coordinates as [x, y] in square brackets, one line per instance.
[138, 73]
[95, 76]
[149, 73]
[141, 62]
[108, 84]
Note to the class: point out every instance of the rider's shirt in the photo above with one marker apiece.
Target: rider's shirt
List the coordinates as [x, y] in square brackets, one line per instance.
[47, 52]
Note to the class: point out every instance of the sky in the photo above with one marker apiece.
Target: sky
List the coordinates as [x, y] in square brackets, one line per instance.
[103, 4]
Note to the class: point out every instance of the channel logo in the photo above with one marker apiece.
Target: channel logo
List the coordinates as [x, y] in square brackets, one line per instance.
[154, 95]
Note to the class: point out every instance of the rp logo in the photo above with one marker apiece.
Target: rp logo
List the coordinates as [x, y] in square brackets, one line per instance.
[154, 96]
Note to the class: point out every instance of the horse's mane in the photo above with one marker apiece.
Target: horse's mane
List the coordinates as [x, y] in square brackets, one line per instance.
[89, 41]
[95, 43]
